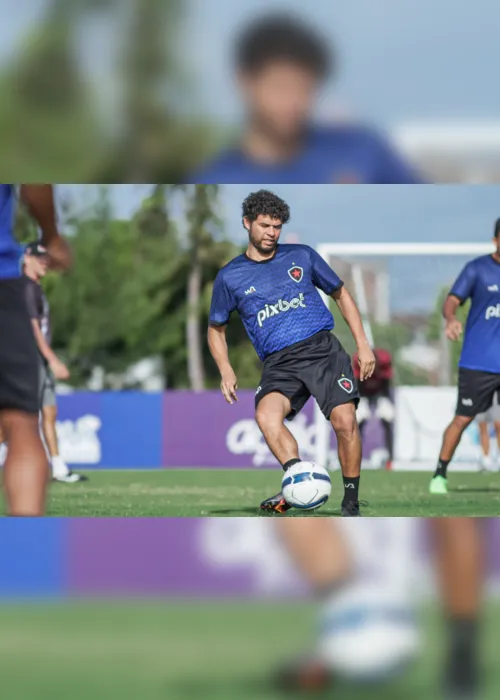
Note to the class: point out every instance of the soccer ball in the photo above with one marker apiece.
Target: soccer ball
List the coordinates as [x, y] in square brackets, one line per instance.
[367, 636]
[306, 485]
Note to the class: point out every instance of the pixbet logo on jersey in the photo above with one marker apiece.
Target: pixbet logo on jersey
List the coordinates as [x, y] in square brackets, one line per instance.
[492, 312]
[280, 307]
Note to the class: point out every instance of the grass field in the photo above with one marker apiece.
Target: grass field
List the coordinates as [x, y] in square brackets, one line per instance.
[208, 492]
[155, 650]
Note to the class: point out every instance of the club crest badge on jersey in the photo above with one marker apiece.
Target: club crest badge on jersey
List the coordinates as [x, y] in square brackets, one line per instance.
[346, 384]
[296, 273]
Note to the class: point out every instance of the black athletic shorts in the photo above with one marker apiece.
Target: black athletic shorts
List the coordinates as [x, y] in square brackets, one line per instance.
[318, 367]
[18, 351]
[476, 390]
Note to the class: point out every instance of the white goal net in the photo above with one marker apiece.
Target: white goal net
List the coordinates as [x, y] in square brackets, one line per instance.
[399, 289]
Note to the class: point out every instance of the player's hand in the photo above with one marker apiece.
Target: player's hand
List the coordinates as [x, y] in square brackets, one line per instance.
[366, 360]
[59, 370]
[453, 329]
[228, 386]
[59, 253]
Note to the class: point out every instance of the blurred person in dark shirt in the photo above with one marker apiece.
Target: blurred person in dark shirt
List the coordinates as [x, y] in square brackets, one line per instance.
[376, 398]
[281, 64]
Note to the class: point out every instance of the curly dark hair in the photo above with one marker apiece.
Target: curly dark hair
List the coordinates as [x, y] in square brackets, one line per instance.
[497, 228]
[282, 37]
[265, 203]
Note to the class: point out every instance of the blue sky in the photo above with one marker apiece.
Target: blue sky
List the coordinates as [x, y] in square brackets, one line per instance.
[364, 213]
[400, 59]
[367, 213]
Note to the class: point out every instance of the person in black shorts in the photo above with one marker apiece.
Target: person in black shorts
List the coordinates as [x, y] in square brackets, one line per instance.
[274, 288]
[50, 366]
[479, 365]
[25, 474]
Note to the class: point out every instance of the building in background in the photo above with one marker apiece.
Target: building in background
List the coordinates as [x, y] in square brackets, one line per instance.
[451, 151]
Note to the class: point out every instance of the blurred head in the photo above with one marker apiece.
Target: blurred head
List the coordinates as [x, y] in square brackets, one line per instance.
[281, 63]
[35, 261]
[264, 215]
[496, 236]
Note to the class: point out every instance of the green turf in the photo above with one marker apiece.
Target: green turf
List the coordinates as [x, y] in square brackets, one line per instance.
[156, 650]
[208, 492]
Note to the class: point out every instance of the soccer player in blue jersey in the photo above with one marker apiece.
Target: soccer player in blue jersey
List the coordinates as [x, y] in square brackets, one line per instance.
[26, 469]
[479, 366]
[281, 66]
[274, 288]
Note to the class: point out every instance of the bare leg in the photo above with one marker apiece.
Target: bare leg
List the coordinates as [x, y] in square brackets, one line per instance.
[497, 433]
[343, 420]
[452, 436]
[484, 438]
[388, 438]
[26, 470]
[451, 439]
[270, 414]
[318, 549]
[460, 565]
[49, 417]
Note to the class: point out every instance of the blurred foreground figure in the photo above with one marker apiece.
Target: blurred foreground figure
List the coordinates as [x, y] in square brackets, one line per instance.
[26, 469]
[281, 65]
[364, 574]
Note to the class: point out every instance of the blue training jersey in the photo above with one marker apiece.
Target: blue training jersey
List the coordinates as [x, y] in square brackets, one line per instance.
[10, 249]
[479, 281]
[339, 155]
[277, 299]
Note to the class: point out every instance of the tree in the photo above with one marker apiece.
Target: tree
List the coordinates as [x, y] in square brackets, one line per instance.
[53, 126]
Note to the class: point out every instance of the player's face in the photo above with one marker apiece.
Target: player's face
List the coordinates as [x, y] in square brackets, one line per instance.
[280, 98]
[264, 233]
[496, 241]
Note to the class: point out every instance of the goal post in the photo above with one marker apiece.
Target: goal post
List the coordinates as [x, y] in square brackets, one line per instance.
[372, 278]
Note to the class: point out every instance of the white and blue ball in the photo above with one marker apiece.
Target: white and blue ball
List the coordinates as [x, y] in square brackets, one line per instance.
[306, 485]
[368, 636]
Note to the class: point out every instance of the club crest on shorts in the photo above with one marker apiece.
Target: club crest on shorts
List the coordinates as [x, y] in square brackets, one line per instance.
[346, 384]
[296, 273]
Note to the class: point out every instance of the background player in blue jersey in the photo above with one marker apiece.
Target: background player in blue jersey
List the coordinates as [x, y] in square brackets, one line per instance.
[274, 288]
[26, 469]
[479, 366]
[281, 65]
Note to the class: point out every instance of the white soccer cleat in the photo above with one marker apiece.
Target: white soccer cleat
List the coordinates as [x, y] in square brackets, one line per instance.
[70, 478]
[485, 463]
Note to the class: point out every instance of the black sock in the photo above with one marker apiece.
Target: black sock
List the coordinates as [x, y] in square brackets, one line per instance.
[462, 672]
[351, 487]
[290, 463]
[442, 467]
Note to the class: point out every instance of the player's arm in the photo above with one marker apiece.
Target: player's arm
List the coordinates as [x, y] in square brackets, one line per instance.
[350, 312]
[459, 293]
[39, 201]
[330, 283]
[223, 304]
[217, 344]
[59, 369]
